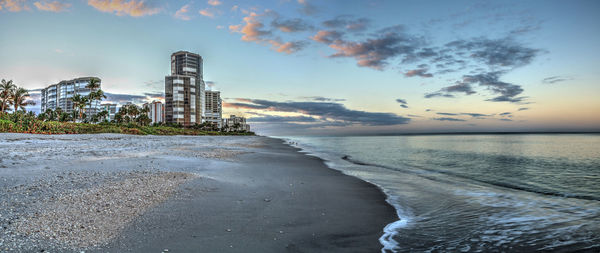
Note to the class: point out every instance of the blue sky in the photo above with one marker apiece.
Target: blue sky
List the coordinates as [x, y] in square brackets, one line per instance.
[329, 67]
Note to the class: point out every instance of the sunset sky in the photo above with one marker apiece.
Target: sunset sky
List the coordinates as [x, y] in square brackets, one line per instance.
[329, 67]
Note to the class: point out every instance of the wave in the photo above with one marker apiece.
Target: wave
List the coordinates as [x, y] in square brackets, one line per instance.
[495, 183]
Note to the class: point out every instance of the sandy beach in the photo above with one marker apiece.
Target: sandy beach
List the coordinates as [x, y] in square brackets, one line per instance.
[123, 193]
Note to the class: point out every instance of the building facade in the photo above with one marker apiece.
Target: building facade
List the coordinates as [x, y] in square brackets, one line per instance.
[184, 90]
[59, 95]
[156, 111]
[111, 109]
[235, 123]
[214, 110]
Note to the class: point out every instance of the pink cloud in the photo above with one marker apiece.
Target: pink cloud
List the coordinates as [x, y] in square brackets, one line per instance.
[55, 6]
[14, 5]
[134, 8]
[207, 13]
[214, 2]
[182, 13]
[326, 36]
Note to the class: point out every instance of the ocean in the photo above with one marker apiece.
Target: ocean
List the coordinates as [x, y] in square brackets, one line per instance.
[478, 193]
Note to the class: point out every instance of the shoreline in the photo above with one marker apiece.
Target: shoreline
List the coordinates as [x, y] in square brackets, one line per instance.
[253, 193]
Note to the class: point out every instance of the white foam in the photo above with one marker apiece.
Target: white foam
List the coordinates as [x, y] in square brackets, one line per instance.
[390, 230]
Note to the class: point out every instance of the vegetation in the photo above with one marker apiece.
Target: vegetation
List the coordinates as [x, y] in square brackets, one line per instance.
[22, 122]
[130, 119]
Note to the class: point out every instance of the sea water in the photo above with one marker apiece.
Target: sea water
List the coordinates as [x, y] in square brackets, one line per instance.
[478, 193]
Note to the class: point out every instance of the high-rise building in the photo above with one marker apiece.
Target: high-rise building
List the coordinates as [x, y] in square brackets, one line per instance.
[156, 112]
[111, 109]
[59, 95]
[213, 112]
[184, 90]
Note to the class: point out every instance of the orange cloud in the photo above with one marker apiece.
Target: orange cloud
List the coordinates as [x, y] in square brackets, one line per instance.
[14, 5]
[182, 13]
[207, 13]
[287, 47]
[55, 6]
[121, 7]
[252, 29]
[214, 2]
[326, 36]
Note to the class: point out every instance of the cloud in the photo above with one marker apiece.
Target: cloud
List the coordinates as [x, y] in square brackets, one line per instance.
[504, 119]
[505, 114]
[508, 92]
[207, 13]
[475, 115]
[210, 84]
[134, 8]
[438, 94]
[460, 87]
[376, 51]
[55, 6]
[523, 109]
[323, 110]
[290, 25]
[448, 119]
[214, 2]
[123, 98]
[556, 79]
[327, 37]
[287, 47]
[503, 52]
[254, 30]
[447, 114]
[348, 22]
[418, 72]
[324, 99]
[14, 5]
[402, 103]
[136, 99]
[307, 8]
[279, 119]
[182, 13]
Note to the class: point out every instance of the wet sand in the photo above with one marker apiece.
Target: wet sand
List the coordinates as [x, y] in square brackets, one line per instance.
[243, 194]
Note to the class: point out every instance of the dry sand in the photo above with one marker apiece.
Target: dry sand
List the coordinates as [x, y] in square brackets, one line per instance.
[116, 193]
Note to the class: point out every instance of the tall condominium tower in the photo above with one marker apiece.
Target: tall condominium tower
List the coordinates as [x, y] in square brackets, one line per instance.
[184, 90]
[213, 108]
[59, 95]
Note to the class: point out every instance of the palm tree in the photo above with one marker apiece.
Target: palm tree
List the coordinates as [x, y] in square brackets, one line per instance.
[51, 115]
[79, 102]
[93, 96]
[94, 84]
[19, 99]
[133, 110]
[6, 89]
[103, 115]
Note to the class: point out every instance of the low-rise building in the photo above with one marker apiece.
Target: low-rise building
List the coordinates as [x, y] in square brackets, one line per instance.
[235, 123]
[111, 109]
[59, 95]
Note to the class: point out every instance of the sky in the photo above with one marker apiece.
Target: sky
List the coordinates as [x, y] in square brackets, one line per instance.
[308, 67]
